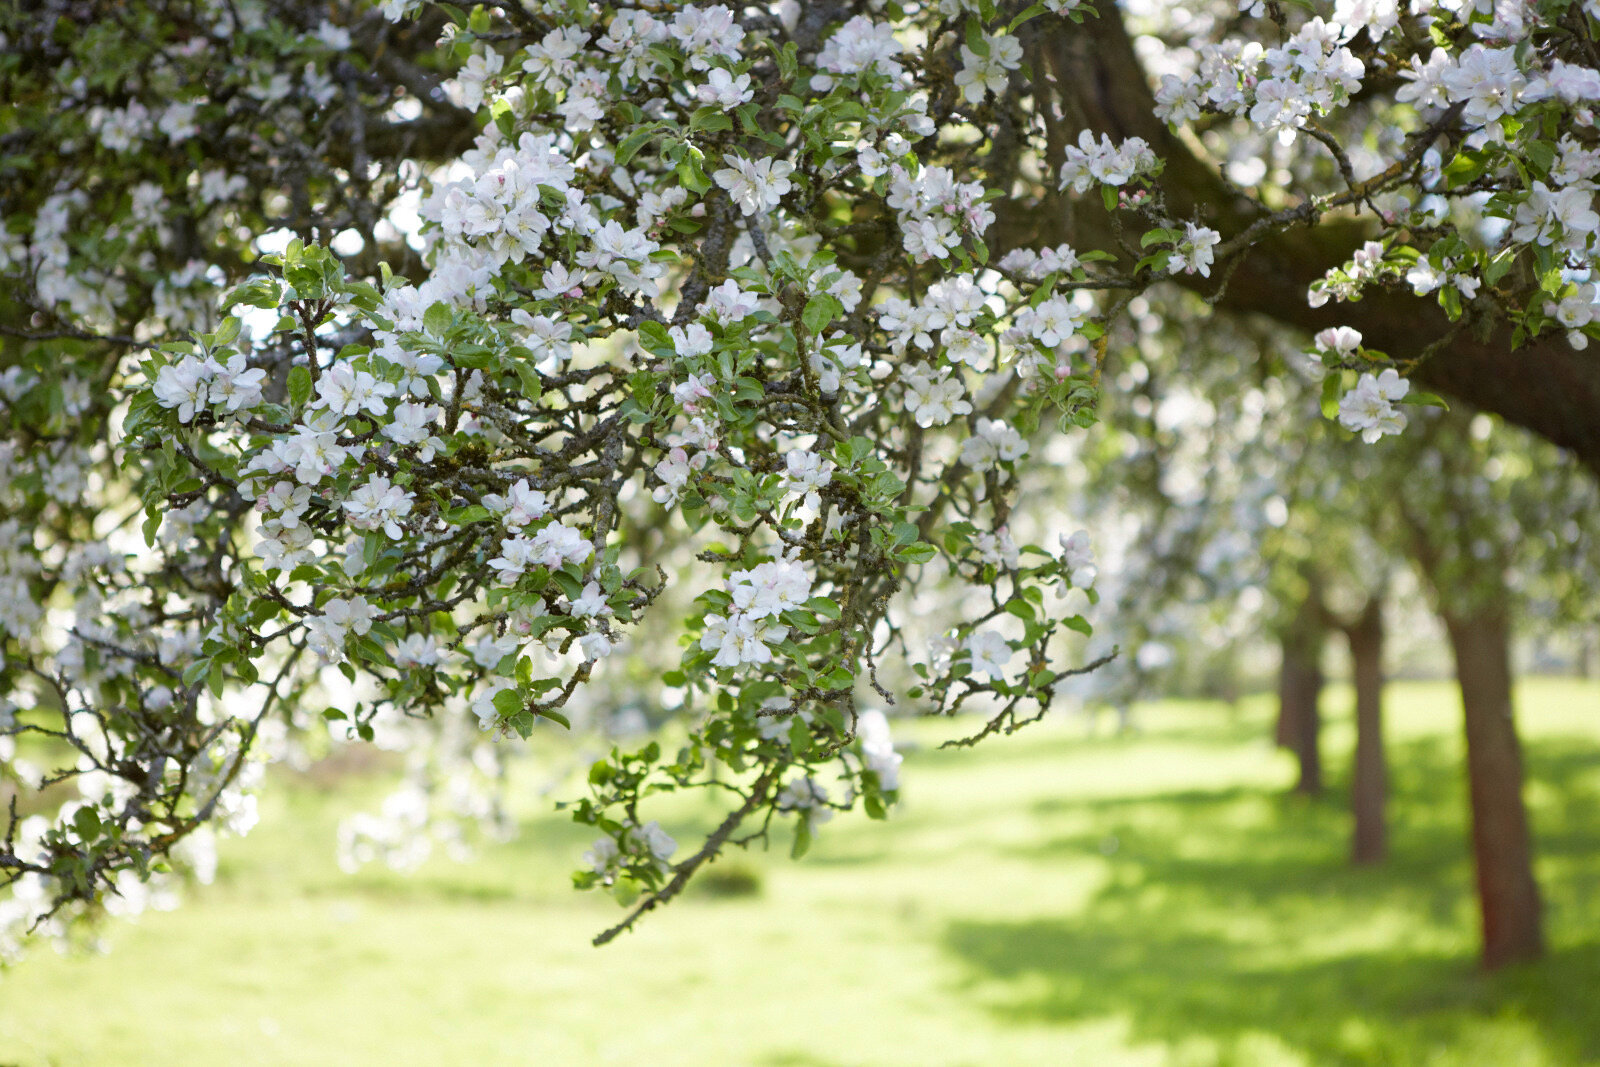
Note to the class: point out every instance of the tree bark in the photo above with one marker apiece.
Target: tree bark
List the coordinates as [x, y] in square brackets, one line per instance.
[1508, 896]
[1369, 782]
[1299, 689]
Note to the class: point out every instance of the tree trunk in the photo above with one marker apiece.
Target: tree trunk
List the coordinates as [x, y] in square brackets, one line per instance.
[1299, 688]
[1502, 851]
[1369, 783]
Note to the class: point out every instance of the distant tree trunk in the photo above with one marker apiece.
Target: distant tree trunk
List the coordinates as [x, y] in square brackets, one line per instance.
[1508, 896]
[1299, 688]
[1369, 783]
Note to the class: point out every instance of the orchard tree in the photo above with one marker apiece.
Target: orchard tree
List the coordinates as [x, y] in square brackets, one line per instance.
[380, 338]
[1497, 522]
[1496, 525]
[1331, 552]
[1487, 524]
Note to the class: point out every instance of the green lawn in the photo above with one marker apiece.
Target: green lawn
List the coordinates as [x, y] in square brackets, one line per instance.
[1045, 899]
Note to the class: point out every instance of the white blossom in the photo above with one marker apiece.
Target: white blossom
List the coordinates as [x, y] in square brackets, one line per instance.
[989, 652]
[755, 185]
[1369, 409]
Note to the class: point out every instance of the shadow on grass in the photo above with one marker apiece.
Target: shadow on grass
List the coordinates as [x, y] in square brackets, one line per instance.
[413, 889]
[796, 1058]
[1399, 1008]
[1231, 914]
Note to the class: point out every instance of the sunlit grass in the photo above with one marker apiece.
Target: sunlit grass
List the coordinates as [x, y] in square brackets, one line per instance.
[1049, 898]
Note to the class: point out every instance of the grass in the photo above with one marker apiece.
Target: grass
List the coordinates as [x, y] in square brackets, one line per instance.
[1047, 899]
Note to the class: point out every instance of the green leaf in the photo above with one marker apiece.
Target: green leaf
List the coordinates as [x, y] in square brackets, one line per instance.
[196, 671]
[372, 545]
[654, 337]
[1498, 266]
[528, 377]
[465, 516]
[803, 621]
[87, 822]
[1421, 399]
[508, 702]
[820, 310]
[802, 838]
[850, 452]
[473, 357]
[1156, 262]
[570, 584]
[1331, 388]
[371, 651]
[633, 142]
[1044, 290]
[692, 176]
[1467, 166]
[299, 386]
[788, 61]
[1542, 154]
[710, 120]
[838, 678]
[1026, 14]
[257, 293]
[823, 607]
[1450, 300]
[437, 319]
[975, 38]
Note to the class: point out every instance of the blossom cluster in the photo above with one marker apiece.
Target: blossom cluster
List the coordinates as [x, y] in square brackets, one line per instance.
[1369, 409]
